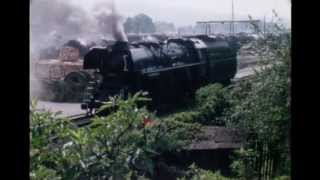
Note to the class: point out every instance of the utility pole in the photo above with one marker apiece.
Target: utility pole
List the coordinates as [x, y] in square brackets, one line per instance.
[232, 18]
[264, 24]
[206, 28]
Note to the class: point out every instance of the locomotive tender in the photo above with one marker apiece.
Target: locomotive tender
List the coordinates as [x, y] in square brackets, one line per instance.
[168, 70]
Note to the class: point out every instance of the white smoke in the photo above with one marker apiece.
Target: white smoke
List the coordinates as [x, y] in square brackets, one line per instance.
[54, 22]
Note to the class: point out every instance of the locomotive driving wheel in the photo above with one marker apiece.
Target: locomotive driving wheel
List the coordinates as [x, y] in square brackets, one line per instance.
[76, 83]
[77, 79]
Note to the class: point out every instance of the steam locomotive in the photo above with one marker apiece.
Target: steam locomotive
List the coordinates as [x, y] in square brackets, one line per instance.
[169, 70]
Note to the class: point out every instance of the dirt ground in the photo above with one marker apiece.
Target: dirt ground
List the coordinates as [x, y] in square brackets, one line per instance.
[68, 109]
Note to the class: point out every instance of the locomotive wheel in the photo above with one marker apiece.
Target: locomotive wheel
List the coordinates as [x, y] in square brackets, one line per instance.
[77, 79]
[75, 84]
[58, 91]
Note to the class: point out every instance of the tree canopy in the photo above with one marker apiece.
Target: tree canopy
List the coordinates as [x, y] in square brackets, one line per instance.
[140, 23]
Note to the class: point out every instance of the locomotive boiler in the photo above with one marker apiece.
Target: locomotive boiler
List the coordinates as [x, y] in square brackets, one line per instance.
[169, 70]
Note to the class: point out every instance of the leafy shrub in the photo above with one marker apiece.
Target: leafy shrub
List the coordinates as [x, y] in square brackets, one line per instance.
[195, 173]
[282, 178]
[209, 108]
[47, 135]
[211, 104]
[122, 145]
[42, 172]
[242, 164]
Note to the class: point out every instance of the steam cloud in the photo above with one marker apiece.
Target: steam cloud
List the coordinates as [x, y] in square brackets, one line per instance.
[54, 22]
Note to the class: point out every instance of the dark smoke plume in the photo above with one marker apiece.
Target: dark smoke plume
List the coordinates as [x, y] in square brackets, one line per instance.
[110, 21]
[118, 29]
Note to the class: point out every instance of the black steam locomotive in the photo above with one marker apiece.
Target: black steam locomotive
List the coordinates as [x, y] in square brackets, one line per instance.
[169, 70]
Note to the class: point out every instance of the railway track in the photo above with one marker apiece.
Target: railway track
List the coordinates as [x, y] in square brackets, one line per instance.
[80, 120]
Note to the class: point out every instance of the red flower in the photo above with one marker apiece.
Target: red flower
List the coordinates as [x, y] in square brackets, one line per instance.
[147, 122]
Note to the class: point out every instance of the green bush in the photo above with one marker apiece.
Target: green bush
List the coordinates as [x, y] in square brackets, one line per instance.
[209, 108]
[195, 173]
[123, 145]
[211, 104]
[282, 178]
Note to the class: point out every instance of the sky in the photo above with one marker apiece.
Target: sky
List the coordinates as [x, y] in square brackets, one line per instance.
[187, 12]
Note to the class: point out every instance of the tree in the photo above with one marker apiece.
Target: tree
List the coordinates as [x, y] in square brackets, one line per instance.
[261, 110]
[140, 23]
[129, 25]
